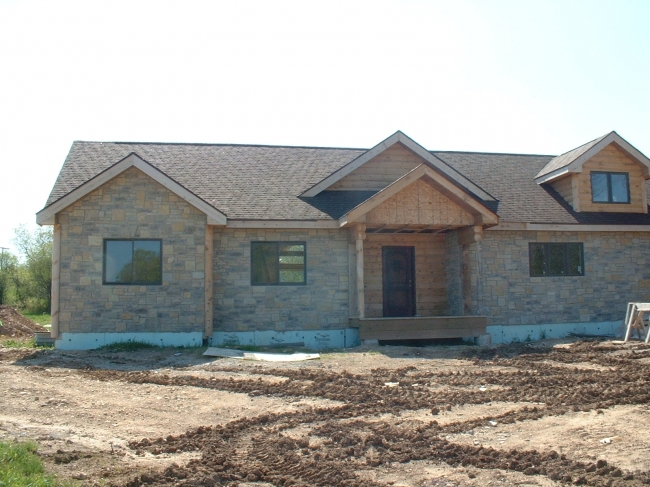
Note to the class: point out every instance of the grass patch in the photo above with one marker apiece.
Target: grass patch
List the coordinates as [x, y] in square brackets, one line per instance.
[40, 318]
[128, 346]
[14, 343]
[20, 467]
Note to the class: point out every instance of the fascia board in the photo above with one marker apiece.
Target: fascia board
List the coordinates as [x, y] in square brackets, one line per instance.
[282, 224]
[350, 167]
[547, 178]
[567, 227]
[47, 215]
[445, 168]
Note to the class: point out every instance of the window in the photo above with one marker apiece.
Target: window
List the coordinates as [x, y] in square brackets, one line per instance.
[556, 259]
[610, 187]
[280, 263]
[132, 261]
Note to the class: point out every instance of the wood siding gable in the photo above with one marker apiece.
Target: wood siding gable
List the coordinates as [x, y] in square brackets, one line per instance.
[402, 152]
[420, 196]
[576, 189]
[419, 204]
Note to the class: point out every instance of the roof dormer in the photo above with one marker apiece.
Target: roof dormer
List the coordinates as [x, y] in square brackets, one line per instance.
[605, 175]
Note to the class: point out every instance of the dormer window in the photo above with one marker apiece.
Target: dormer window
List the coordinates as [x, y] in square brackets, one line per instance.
[610, 187]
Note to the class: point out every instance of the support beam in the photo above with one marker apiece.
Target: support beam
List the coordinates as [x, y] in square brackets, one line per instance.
[470, 235]
[359, 235]
[56, 279]
[208, 282]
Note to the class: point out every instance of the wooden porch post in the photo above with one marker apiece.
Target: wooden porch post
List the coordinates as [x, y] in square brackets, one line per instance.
[56, 280]
[468, 238]
[208, 282]
[359, 234]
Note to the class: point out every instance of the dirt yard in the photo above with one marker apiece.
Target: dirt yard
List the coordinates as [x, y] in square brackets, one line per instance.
[552, 413]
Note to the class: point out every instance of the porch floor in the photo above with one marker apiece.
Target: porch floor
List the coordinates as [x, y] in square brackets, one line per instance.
[420, 327]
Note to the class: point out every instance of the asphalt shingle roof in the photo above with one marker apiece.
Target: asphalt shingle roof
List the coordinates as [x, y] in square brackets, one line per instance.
[567, 158]
[264, 182]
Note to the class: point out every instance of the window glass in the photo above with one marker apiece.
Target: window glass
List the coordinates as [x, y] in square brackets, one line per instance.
[619, 188]
[599, 190]
[132, 262]
[118, 261]
[277, 263]
[537, 260]
[146, 259]
[556, 259]
[574, 259]
[292, 263]
[265, 263]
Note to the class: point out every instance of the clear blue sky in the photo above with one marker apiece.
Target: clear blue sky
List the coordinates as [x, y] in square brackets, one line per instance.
[497, 76]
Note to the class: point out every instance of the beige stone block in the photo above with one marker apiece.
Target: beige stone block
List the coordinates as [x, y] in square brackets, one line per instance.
[95, 240]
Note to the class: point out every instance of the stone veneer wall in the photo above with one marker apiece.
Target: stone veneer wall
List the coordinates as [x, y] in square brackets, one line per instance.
[321, 304]
[616, 271]
[453, 268]
[131, 205]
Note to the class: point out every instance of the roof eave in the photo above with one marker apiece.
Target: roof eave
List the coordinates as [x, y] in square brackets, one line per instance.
[47, 216]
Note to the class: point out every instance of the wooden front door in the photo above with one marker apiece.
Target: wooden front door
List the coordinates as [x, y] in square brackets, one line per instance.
[398, 280]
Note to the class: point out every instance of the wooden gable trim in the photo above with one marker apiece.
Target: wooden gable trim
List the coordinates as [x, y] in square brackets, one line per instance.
[440, 183]
[567, 227]
[576, 165]
[282, 224]
[399, 137]
[47, 215]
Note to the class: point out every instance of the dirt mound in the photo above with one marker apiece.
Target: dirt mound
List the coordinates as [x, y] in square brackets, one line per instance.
[15, 325]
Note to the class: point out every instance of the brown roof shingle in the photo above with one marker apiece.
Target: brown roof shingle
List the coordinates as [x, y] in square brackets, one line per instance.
[264, 182]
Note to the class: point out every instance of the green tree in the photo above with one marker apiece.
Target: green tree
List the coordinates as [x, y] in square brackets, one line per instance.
[8, 266]
[33, 280]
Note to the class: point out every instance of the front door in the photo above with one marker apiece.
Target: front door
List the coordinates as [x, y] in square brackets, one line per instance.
[398, 281]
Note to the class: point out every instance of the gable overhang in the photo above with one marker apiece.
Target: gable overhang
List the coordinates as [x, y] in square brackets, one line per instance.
[47, 215]
[484, 215]
[399, 137]
[575, 166]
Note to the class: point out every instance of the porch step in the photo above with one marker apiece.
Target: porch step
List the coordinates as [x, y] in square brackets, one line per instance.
[420, 327]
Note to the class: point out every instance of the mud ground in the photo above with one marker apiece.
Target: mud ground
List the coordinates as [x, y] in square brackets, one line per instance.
[544, 414]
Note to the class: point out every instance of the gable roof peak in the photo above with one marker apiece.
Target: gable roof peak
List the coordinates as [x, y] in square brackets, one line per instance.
[572, 161]
[429, 159]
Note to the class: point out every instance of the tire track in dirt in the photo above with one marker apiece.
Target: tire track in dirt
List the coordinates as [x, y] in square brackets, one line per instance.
[340, 444]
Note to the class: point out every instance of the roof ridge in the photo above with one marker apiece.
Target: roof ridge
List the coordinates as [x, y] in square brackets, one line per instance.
[208, 144]
[490, 153]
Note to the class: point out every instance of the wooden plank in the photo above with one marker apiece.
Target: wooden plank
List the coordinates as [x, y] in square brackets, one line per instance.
[452, 200]
[352, 279]
[381, 170]
[56, 280]
[209, 276]
[575, 192]
[360, 235]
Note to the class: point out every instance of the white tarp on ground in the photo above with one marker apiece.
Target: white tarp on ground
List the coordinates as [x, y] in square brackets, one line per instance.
[267, 357]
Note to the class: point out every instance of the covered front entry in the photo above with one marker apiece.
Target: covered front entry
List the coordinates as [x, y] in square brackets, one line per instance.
[398, 280]
[414, 245]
